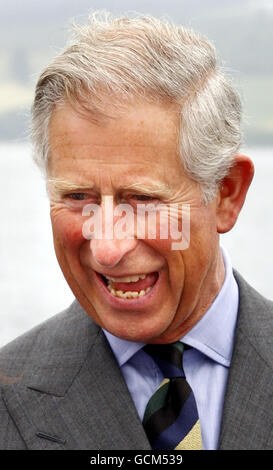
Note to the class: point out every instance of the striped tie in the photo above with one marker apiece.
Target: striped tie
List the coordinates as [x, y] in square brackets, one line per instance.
[171, 419]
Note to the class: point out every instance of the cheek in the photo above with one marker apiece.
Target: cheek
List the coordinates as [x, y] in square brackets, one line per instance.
[174, 263]
[67, 229]
[170, 237]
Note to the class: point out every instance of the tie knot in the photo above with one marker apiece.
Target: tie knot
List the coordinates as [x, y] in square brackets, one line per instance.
[168, 357]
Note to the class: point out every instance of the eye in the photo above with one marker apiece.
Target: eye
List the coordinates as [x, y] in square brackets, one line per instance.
[76, 201]
[78, 196]
[142, 197]
[143, 202]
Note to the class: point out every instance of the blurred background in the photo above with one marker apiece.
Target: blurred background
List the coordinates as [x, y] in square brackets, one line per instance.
[32, 287]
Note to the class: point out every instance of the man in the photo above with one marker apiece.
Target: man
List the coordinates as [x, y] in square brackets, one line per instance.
[136, 113]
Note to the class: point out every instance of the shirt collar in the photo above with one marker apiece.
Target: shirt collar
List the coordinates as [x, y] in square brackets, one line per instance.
[213, 335]
[123, 350]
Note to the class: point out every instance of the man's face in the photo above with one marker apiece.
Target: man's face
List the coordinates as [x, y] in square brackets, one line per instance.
[134, 159]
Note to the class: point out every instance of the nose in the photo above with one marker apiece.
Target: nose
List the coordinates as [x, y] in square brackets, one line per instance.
[108, 253]
[109, 248]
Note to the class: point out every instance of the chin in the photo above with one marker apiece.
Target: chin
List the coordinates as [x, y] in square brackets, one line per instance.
[142, 330]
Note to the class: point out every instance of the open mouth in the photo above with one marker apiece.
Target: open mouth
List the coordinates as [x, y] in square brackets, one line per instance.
[130, 287]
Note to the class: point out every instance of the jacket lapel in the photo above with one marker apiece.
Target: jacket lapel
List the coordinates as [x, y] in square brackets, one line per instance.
[247, 416]
[89, 408]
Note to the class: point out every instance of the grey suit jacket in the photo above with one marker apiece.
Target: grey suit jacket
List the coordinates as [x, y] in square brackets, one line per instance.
[61, 387]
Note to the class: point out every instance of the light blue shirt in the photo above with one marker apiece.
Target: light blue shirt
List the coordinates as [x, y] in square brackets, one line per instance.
[206, 365]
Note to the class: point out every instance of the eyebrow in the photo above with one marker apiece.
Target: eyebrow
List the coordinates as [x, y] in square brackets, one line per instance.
[152, 187]
[62, 185]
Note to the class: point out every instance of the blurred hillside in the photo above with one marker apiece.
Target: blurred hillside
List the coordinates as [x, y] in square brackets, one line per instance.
[31, 32]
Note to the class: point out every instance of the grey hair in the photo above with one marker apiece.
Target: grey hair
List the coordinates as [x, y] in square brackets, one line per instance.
[153, 59]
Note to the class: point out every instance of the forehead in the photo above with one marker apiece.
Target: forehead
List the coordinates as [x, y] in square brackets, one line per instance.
[141, 140]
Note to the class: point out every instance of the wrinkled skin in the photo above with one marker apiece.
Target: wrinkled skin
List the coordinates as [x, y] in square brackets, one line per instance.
[104, 159]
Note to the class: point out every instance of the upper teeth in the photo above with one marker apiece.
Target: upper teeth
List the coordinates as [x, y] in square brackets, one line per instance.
[127, 278]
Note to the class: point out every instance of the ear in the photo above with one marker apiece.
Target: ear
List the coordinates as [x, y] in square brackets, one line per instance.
[232, 192]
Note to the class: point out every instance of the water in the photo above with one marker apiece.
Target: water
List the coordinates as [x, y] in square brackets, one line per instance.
[32, 287]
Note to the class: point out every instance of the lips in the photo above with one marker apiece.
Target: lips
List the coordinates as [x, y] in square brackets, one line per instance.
[136, 292]
[134, 286]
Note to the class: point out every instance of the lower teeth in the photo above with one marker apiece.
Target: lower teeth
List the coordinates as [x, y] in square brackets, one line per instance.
[129, 294]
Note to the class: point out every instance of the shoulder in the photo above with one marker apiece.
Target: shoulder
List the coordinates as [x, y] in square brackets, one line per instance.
[47, 357]
[44, 343]
[255, 319]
